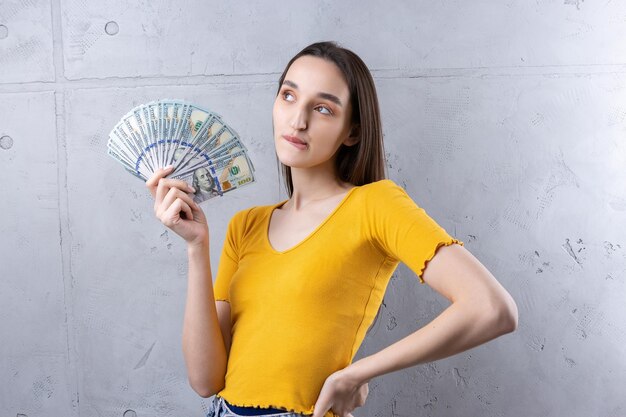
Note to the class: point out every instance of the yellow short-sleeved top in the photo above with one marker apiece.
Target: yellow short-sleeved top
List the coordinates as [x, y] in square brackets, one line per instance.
[301, 314]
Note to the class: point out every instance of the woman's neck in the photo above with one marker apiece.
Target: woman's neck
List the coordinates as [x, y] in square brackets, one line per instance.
[315, 184]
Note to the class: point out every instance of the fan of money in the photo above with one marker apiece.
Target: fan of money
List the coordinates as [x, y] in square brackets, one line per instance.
[204, 151]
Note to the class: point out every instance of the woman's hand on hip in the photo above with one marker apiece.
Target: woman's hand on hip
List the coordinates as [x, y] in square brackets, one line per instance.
[175, 208]
[340, 394]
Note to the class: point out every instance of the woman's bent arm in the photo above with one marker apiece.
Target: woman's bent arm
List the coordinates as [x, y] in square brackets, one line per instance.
[481, 310]
[203, 344]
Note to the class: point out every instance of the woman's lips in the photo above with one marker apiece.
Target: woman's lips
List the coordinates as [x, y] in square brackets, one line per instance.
[298, 143]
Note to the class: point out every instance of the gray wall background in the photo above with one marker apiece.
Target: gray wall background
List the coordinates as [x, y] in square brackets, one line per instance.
[505, 120]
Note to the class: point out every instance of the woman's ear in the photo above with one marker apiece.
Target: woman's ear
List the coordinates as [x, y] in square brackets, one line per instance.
[354, 136]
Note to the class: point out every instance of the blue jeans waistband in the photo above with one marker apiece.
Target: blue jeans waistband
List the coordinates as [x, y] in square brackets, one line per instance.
[218, 407]
[253, 411]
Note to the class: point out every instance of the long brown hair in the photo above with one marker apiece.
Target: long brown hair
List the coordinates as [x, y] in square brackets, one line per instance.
[363, 162]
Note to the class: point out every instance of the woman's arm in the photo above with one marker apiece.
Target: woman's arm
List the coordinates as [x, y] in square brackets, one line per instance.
[481, 310]
[204, 348]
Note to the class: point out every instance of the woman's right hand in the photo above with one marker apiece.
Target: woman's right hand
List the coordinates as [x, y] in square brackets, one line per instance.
[176, 209]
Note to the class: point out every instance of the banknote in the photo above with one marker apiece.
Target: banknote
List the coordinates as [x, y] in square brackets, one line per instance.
[205, 151]
[219, 177]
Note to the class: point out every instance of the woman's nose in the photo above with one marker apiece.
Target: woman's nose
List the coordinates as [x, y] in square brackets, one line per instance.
[298, 119]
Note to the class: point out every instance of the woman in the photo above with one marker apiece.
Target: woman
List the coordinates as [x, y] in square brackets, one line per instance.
[299, 282]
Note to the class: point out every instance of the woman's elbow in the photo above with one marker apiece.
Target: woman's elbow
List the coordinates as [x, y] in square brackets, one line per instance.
[205, 390]
[505, 314]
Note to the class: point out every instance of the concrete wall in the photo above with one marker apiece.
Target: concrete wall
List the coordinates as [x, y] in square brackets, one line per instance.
[505, 120]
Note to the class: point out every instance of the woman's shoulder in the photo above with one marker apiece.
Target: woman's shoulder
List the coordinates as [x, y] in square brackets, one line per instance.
[252, 213]
[384, 183]
[381, 188]
[383, 196]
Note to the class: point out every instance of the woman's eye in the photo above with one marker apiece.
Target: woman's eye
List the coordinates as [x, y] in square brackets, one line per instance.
[324, 110]
[287, 94]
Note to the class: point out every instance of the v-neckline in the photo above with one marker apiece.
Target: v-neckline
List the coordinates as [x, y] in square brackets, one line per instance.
[310, 235]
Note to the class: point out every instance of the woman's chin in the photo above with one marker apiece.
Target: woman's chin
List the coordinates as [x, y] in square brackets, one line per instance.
[290, 163]
[290, 160]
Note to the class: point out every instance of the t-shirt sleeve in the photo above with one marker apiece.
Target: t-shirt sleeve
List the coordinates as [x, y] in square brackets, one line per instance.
[229, 259]
[403, 230]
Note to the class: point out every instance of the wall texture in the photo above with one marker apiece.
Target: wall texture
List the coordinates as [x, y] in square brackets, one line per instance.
[505, 120]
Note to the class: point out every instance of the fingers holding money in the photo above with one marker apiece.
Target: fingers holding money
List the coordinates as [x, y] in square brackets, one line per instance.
[153, 181]
[172, 215]
[165, 185]
[159, 186]
[173, 196]
[169, 196]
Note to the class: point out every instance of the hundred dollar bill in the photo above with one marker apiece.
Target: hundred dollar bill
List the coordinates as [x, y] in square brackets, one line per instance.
[223, 176]
[137, 122]
[129, 161]
[223, 141]
[202, 159]
[230, 146]
[196, 122]
[125, 144]
[234, 173]
[176, 111]
[197, 156]
[222, 136]
[156, 128]
[137, 174]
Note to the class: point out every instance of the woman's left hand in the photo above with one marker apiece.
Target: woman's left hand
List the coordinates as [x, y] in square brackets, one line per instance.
[341, 394]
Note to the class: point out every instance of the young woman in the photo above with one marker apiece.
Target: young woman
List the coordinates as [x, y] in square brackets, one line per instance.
[299, 282]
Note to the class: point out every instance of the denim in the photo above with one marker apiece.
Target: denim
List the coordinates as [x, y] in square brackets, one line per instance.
[218, 408]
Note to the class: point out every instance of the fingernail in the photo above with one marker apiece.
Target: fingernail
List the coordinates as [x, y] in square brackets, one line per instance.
[193, 190]
[168, 167]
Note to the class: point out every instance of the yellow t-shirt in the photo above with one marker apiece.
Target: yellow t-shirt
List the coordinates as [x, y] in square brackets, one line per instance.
[301, 314]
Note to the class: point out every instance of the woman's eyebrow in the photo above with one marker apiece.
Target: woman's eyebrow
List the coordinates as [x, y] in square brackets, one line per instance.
[327, 96]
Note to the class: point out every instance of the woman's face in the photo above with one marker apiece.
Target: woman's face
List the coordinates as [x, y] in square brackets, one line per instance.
[313, 110]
